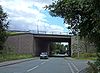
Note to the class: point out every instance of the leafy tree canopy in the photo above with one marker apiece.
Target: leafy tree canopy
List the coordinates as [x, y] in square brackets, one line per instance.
[3, 26]
[82, 15]
[58, 48]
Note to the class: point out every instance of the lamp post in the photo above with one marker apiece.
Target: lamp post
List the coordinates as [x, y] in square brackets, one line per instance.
[38, 27]
[78, 50]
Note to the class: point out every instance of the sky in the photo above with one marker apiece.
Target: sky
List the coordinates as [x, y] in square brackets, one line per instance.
[29, 15]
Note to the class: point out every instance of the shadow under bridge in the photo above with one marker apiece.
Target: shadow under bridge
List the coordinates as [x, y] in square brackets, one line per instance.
[42, 42]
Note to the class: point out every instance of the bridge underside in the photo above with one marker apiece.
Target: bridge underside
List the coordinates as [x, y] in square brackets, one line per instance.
[42, 44]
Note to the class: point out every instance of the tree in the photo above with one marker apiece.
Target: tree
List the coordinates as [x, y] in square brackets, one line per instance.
[83, 16]
[58, 48]
[3, 26]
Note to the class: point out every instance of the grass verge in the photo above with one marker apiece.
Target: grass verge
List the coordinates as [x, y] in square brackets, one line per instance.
[8, 57]
[85, 56]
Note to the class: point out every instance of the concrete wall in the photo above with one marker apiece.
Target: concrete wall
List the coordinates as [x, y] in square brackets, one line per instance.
[84, 45]
[21, 43]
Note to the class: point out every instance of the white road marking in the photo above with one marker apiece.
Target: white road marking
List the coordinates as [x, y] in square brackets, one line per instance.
[35, 67]
[46, 60]
[75, 67]
[32, 68]
[43, 63]
[71, 68]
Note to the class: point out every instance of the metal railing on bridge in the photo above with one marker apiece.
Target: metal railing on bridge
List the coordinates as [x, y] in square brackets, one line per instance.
[41, 32]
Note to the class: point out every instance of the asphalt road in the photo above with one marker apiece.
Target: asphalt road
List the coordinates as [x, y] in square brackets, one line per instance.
[51, 65]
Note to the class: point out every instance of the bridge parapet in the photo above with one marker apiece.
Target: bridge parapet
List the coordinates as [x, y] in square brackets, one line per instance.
[53, 33]
[41, 32]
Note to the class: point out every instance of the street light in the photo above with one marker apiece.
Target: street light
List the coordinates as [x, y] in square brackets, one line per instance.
[75, 30]
[78, 54]
[77, 36]
[79, 21]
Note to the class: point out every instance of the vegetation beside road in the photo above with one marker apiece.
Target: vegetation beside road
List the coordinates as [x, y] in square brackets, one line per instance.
[85, 56]
[8, 57]
[83, 18]
[93, 67]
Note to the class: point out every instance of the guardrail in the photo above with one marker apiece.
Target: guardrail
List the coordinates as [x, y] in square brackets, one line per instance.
[41, 32]
[50, 32]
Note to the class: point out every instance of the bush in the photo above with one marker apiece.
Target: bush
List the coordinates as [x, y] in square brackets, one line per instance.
[93, 68]
[74, 55]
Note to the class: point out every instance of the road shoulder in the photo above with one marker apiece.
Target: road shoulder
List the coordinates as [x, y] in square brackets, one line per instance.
[6, 63]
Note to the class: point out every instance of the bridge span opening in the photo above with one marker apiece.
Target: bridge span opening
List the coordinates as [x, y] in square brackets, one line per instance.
[43, 42]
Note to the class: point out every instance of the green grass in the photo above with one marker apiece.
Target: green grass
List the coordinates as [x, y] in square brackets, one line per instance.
[11, 33]
[86, 56]
[14, 33]
[89, 58]
[8, 57]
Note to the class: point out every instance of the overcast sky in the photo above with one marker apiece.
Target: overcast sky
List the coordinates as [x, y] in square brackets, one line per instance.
[30, 15]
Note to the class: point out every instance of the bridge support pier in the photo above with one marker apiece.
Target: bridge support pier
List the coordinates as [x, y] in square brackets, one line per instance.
[41, 46]
[69, 53]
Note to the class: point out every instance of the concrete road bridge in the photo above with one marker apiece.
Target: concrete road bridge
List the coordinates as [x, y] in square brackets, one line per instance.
[35, 43]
